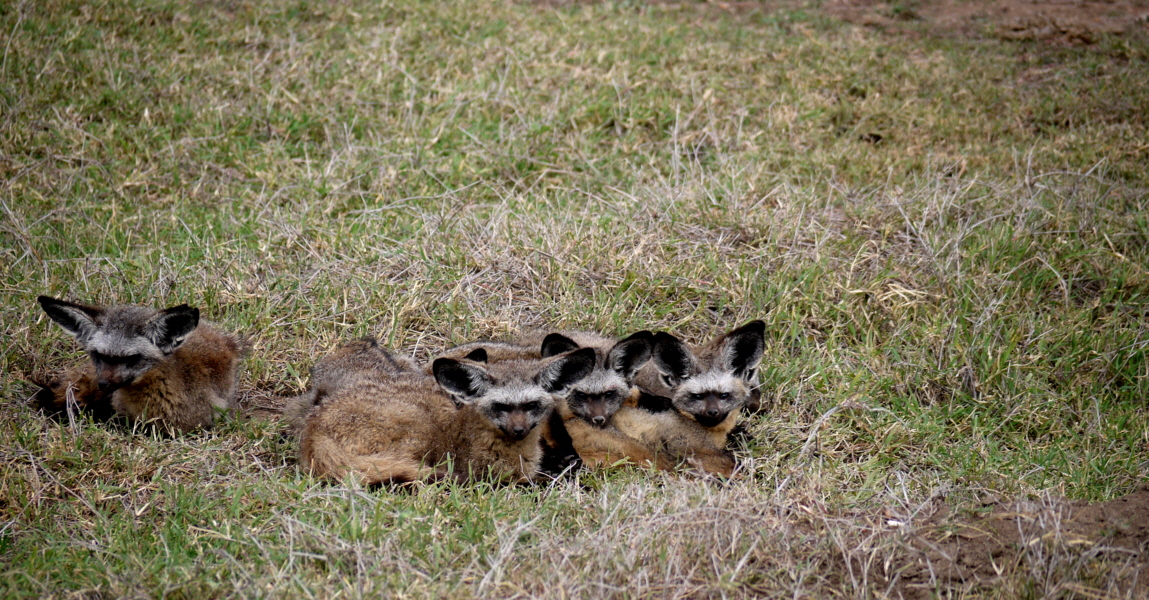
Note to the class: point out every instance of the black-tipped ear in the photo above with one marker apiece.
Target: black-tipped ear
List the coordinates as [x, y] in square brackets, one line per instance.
[629, 354]
[76, 319]
[172, 326]
[567, 370]
[463, 381]
[673, 358]
[477, 355]
[742, 349]
[556, 343]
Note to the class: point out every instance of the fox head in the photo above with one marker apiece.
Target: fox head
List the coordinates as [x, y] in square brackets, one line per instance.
[515, 396]
[123, 341]
[708, 383]
[596, 397]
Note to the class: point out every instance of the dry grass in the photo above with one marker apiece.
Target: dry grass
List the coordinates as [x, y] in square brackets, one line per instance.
[954, 312]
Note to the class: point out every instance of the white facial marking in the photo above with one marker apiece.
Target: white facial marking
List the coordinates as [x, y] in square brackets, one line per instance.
[517, 394]
[717, 382]
[114, 344]
[599, 381]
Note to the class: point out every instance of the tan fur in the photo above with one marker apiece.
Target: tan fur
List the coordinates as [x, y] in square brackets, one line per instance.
[388, 428]
[401, 430]
[346, 366]
[682, 429]
[672, 437]
[601, 447]
[649, 381]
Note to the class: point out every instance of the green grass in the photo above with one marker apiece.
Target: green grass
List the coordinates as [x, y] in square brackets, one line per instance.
[946, 237]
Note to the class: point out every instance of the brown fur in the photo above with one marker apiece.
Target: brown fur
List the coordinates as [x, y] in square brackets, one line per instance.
[346, 366]
[601, 447]
[396, 429]
[73, 392]
[673, 438]
[183, 393]
[402, 430]
[188, 390]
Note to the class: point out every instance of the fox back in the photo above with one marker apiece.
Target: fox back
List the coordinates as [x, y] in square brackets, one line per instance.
[483, 418]
[348, 365]
[489, 352]
[161, 366]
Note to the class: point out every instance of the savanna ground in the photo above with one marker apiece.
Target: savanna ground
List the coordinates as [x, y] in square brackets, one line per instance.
[944, 224]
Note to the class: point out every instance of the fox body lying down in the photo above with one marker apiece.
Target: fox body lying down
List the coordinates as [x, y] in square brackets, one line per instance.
[390, 427]
[160, 366]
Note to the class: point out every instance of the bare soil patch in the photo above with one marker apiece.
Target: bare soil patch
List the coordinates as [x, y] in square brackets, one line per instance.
[1066, 21]
[1072, 21]
[1104, 545]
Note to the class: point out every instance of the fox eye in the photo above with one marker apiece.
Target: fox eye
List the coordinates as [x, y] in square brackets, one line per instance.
[581, 397]
[498, 407]
[114, 360]
[724, 395]
[609, 395]
[697, 396]
[530, 406]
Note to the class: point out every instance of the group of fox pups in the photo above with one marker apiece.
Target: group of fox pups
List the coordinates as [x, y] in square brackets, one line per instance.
[507, 410]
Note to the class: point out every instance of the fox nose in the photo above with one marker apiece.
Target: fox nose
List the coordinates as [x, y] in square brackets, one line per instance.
[519, 431]
[104, 385]
[712, 412]
[599, 420]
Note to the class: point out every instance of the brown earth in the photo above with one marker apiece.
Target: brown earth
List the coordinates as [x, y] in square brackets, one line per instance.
[1066, 21]
[1073, 21]
[1103, 548]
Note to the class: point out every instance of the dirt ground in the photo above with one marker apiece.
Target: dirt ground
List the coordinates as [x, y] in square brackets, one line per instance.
[1105, 546]
[1072, 21]
[1065, 21]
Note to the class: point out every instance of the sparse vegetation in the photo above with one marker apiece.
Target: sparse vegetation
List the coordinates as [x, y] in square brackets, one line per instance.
[947, 238]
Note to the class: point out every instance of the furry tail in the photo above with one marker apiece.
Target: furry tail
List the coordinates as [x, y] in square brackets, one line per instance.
[327, 459]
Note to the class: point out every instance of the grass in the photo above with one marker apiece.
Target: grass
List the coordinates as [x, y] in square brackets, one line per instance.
[948, 240]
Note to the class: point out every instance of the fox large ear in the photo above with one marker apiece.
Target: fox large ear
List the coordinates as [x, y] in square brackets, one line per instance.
[629, 354]
[464, 382]
[77, 319]
[673, 358]
[477, 355]
[741, 350]
[567, 370]
[556, 343]
[169, 329]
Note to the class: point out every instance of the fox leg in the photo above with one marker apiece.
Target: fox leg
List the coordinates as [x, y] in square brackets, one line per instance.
[599, 447]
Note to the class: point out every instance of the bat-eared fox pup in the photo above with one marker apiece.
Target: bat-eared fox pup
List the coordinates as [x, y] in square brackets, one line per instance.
[584, 411]
[467, 419]
[701, 391]
[165, 367]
